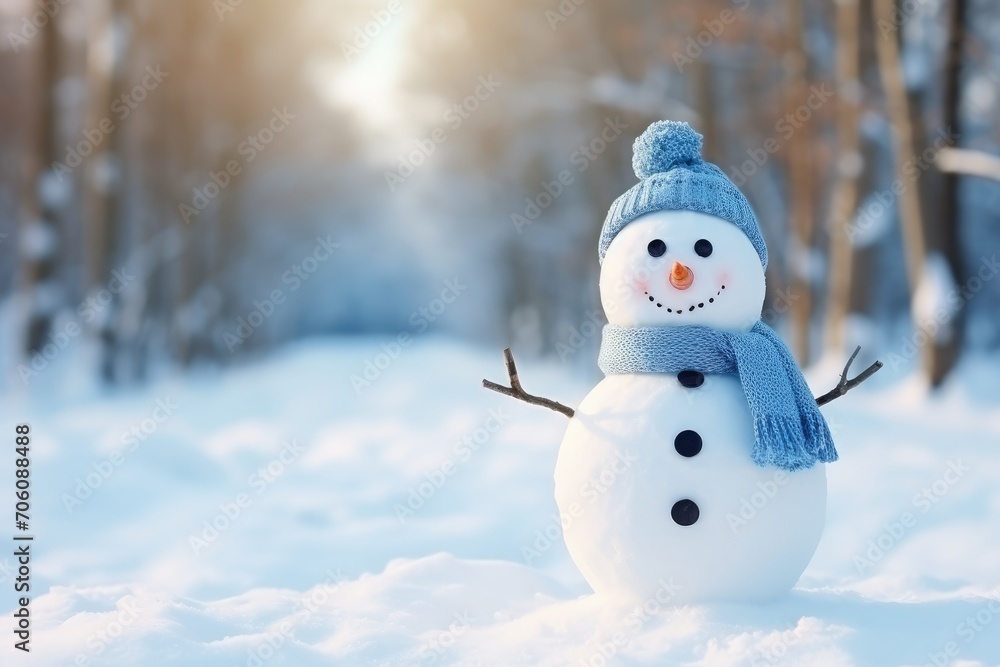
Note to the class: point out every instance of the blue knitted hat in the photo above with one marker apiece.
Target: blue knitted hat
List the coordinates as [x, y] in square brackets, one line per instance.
[673, 177]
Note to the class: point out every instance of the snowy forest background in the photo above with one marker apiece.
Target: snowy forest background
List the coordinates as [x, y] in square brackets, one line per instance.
[119, 119]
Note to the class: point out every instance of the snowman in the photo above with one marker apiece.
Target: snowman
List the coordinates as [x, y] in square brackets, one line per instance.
[698, 464]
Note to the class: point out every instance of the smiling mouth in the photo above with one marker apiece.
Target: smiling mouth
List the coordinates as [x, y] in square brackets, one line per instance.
[681, 311]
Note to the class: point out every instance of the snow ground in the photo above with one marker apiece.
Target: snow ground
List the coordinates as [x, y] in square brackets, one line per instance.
[313, 566]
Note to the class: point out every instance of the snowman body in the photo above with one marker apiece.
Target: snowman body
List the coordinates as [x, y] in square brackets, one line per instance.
[654, 481]
[640, 446]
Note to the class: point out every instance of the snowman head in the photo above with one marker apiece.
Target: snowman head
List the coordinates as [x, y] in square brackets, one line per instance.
[680, 268]
[682, 246]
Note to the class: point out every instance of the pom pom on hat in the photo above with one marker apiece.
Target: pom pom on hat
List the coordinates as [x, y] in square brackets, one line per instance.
[664, 145]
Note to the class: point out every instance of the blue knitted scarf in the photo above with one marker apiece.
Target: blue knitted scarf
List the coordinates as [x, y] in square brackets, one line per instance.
[790, 433]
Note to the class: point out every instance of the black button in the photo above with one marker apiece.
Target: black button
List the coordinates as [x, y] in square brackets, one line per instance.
[690, 379]
[684, 512]
[687, 443]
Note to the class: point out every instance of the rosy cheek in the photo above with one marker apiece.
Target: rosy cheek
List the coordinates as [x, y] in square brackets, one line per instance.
[641, 286]
[723, 277]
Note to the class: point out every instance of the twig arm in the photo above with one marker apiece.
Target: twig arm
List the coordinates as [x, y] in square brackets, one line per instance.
[516, 391]
[846, 385]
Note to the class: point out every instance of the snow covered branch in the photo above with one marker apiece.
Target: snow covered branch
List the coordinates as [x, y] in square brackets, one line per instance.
[846, 385]
[516, 391]
[969, 162]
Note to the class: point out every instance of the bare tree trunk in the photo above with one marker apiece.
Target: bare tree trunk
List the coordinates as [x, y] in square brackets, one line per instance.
[704, 78]
[98, 172]
[750, 125]
[849, 164]
[103, 170]
[890, 69]
[44, 188]
[947, 241]
[183, 105]
[866, 253]
[801, 184]
[898, 108]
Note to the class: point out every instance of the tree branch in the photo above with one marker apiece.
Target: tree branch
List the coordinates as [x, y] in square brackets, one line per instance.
[516, 391]
[969, 161]
[846, 385]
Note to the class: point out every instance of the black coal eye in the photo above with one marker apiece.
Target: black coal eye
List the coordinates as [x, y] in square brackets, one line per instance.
[703, 247]
[656, 248]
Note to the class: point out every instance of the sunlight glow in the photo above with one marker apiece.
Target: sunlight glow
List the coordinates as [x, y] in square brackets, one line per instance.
[364, 77]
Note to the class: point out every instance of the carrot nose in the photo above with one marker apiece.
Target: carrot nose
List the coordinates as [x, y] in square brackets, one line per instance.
[681, 276]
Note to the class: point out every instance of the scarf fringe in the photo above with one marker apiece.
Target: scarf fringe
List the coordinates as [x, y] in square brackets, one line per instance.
[780, 443]
[817, 433]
